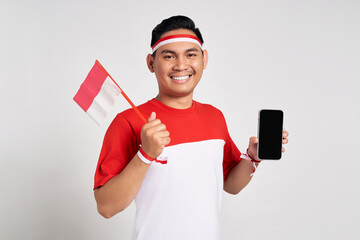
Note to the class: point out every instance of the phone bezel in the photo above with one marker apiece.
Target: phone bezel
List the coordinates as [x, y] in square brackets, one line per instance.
[258, 133]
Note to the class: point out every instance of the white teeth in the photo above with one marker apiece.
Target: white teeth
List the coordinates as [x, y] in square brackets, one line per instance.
[180, 78]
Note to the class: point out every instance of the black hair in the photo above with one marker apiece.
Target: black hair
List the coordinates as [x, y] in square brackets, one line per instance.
[173, 23]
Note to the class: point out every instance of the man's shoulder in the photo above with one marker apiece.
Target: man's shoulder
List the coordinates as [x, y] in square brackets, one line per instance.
[208, 108]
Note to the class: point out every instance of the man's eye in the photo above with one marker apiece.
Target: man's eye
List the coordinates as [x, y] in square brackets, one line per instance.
[168, 56]
[191, 55]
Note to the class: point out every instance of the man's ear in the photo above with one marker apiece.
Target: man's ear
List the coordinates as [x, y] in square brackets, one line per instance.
[205, 58]
[150, 62]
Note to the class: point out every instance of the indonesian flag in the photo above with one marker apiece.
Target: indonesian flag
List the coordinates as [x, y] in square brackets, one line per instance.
[97, 94]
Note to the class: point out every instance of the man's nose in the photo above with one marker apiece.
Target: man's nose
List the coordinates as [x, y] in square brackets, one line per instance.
[181, 64]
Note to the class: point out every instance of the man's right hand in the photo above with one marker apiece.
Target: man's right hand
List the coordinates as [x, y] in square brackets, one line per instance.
[154, 136]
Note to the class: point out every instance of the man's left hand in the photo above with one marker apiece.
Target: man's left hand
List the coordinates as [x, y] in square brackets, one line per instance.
[252, 150]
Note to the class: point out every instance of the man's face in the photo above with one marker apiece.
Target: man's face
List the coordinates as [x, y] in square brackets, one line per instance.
[178, 66]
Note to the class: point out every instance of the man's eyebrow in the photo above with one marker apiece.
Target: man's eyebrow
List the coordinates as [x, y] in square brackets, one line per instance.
[192, 50]
[165, 51]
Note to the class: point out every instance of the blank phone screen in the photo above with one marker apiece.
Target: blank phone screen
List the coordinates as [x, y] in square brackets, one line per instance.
[270, 134]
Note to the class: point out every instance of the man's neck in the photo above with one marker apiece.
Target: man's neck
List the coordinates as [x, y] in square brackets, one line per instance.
[176, 102]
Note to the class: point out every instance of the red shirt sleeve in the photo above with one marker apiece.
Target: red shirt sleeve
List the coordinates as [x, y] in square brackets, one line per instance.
[231, 153]
[231, 156]
[119, 147]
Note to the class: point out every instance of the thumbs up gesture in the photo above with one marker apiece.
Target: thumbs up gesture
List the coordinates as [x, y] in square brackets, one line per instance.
[154, 136]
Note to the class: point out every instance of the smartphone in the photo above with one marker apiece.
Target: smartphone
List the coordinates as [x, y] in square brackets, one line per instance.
[270, 134]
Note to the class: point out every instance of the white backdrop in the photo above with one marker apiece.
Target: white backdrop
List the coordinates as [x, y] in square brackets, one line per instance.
[298, 56]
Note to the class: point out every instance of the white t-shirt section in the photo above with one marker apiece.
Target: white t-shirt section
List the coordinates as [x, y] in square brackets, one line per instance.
[188, 187]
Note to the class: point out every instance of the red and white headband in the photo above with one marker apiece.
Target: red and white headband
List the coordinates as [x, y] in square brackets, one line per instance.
[176, 38]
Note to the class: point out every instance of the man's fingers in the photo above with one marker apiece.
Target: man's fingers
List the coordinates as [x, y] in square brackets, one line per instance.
[164, 133]
[151, 124]
[158, 127]
[162, 138]
[254, 140]
[166, 141]
[285, 140]
[152, 116]
[285, 133]
[161, 134]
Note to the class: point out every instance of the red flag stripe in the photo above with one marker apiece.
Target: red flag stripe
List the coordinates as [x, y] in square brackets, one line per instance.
[90, 88]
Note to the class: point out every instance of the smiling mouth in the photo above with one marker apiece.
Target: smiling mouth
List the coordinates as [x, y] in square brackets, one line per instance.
[181, 78]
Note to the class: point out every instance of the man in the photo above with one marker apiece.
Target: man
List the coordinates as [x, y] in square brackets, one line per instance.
[176, 165]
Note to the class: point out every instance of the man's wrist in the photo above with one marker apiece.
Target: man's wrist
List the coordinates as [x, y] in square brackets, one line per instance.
[145, 157]
[255, 163]
[252, 158]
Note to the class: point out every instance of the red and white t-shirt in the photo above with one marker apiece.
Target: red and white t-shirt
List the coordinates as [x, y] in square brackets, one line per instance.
[180, 199]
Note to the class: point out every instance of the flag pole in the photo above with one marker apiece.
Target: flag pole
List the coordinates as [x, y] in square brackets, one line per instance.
[123, 93]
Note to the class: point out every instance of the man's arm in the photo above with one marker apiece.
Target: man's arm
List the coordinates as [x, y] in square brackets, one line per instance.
[239, 175]
[117, 194]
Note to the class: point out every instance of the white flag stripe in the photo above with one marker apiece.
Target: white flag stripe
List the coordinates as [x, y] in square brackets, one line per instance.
[104, 101]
